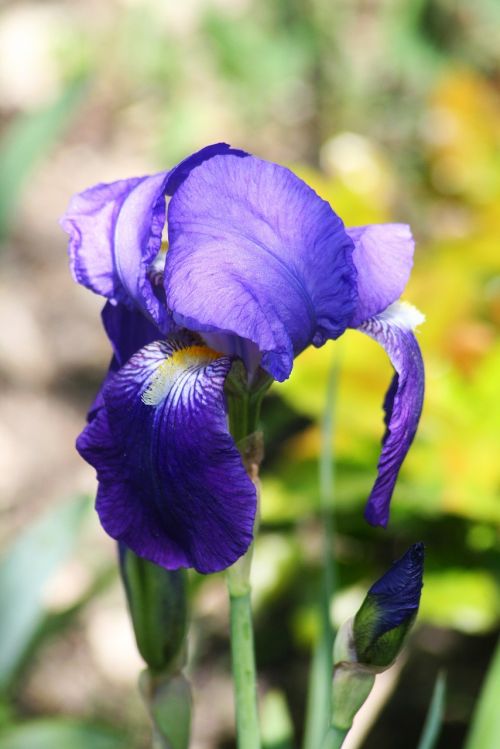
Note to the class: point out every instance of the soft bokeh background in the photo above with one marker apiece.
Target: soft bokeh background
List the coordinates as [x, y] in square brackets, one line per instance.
[391, 110]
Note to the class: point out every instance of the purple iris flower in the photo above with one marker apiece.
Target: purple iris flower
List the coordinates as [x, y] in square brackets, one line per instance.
[258, 268]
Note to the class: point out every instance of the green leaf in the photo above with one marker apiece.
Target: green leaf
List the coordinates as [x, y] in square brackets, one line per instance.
[28, 140]
[319, 701]
[485, 729]
[24, 571]
[60, 734]
[434, 718]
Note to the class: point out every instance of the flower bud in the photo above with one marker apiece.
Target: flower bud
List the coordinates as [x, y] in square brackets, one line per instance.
[389, 610]
[157, 603]
[371, 641]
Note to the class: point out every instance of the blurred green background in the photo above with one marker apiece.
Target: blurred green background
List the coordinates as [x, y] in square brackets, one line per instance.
[391, 110]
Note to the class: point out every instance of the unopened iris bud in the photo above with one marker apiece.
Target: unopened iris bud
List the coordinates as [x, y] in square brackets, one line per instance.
[369, 643]
[157, 603]
[389, 610]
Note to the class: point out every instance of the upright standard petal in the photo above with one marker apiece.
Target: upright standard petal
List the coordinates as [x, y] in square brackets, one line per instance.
[254, 252]
[116, 230]
[172, 485]
[115, 234]
[393, 329]
[383, 256]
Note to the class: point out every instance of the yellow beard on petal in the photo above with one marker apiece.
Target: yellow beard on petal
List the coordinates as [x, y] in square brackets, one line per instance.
[172, 367]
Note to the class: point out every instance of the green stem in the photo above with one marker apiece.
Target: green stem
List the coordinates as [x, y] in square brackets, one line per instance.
[334, 738]
[319, 701]
[243, 401]
[243, 659]
[243, 405]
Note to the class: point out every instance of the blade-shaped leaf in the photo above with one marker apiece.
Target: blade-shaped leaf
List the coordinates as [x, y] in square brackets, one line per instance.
[24, 571]
[28, 139]
[60, 734]
[434, 718]
[485, 728]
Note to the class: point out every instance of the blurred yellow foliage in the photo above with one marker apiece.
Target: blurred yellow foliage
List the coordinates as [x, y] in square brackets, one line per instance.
[453, 465]
[463, 135]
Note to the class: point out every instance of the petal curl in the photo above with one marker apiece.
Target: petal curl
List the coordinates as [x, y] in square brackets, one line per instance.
[393, 329]
[256, 253]
[383, 256]
[172, 485]
[115, 234]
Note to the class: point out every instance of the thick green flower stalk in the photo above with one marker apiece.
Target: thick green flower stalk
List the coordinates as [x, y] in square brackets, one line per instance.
[244, 402]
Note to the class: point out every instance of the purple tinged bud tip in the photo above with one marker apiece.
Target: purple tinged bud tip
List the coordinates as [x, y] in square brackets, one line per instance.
[389, 610]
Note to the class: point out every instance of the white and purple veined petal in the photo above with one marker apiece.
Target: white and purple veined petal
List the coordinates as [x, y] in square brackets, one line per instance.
[393, 329]
[116, 233]
[172, 485]
[256, 254]
[128, 331]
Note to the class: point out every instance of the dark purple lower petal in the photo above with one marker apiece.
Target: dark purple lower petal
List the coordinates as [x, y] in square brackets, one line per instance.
[128, 330]
[393, 329]
[172, 485]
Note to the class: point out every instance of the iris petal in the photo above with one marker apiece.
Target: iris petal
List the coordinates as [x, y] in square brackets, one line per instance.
[128, 331]
[116, 230]
[254, 252]
[172, 485]
[393, 329]
[115, 234]
[383, 256]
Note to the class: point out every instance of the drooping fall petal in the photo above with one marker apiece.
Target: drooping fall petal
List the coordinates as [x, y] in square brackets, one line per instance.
[393, 329]
[172, 485]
